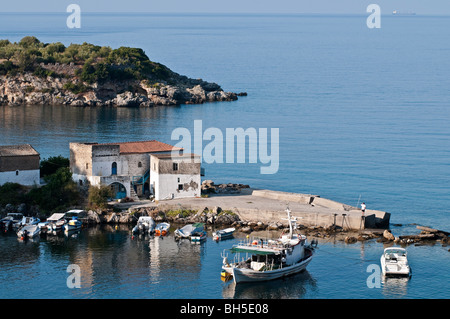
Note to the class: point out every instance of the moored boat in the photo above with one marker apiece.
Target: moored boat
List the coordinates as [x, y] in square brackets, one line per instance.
[28, 231]
[7, 222]
[162, 229]
[71, 220]
[394, 262]
[145, 224]
[270, 259]
[223, 233]
[198, 237]
[187, 230]
[26, 221]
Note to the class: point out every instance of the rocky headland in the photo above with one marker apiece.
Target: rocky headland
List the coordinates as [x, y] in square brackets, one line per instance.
[34, 73]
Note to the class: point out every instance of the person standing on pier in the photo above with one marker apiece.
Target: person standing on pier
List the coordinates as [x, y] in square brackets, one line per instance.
[363, 208]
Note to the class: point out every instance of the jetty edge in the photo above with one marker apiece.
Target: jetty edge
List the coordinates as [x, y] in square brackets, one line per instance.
[268, 207]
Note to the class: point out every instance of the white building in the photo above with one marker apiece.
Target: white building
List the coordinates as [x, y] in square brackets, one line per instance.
[123, 166]
[175, 176]
[19, 164]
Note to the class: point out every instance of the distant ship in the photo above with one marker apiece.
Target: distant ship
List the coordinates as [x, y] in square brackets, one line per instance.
[403, 13]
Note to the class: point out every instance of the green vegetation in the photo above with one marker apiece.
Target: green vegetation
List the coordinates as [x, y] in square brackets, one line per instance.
[98, 196]
[182, 213]
[94, 63]
[50, 165]
[58, 194]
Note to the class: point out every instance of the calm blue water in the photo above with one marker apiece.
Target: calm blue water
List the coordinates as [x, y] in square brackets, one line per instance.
[363, 114]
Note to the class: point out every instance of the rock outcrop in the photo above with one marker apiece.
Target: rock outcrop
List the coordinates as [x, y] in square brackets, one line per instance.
[26, 88]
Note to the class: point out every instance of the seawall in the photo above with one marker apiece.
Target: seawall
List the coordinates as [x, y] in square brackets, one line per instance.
[269, 206]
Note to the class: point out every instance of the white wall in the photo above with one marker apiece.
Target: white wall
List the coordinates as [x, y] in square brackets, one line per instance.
[167, 184]
[27, 178]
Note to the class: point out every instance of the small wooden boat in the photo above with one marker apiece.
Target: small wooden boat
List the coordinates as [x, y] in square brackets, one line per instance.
[223, 233]
[162, 229]
[394, 262]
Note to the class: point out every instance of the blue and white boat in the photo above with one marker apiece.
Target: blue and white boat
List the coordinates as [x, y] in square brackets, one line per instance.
[270, 259]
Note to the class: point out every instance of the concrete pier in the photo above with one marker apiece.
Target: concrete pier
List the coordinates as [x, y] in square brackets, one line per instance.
[269, 206]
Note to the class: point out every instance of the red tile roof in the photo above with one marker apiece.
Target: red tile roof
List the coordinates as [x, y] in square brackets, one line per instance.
[144, 147]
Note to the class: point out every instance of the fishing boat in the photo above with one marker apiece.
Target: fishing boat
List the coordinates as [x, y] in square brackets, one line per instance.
[270, 259]
[394, 262]
[198, 237]
[188, 230]
[145, 224]
[223, 233]
[162, 229]
[28, 231]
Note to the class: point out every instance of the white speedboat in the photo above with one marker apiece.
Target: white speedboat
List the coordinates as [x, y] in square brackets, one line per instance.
[145, 224]
[270, 259]
[162, 229]
[223, 233]
[188, 230]
[394, 262]
[26, 221]
[28, 231]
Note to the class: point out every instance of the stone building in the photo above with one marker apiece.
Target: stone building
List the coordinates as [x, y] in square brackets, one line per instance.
[175, 176]
[123, 166]
[19, 164]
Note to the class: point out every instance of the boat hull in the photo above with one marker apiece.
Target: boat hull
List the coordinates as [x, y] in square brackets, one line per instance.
[250, 275]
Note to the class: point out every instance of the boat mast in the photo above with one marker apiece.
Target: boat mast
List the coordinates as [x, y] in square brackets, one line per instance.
[291, 221]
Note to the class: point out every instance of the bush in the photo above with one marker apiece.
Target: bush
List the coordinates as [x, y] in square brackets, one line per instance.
[98, 196]
[12, 193]
[75, 88]
[59, 193]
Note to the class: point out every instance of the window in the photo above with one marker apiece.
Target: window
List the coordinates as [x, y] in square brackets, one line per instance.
[114, 168]
[175, 166]
[17, 173]
[178, 179]
[87, 165]
[140, 164]
[180, 187]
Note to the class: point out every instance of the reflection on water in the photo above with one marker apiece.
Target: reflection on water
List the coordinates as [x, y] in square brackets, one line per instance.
[114, 264]
[294, 287]
[395, 287]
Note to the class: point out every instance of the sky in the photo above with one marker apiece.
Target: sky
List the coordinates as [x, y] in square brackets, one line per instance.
[440, 7]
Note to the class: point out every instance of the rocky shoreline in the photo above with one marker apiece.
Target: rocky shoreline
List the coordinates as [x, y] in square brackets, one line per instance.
[29, 89]
[217, 217]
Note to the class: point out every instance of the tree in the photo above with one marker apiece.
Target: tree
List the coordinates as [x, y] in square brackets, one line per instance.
[50, 165]
[98, 196]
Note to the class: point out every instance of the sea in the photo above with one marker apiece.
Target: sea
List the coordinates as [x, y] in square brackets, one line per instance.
[362, 114]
